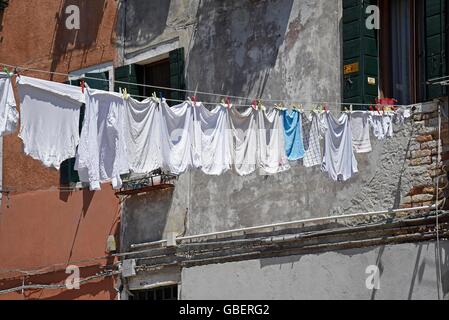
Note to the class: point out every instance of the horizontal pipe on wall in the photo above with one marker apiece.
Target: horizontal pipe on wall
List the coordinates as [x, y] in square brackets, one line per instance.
[278, 225]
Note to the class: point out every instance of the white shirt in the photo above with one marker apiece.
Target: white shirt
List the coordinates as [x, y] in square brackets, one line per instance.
[339, 160]
[102, 154]
[382, 124]
[143, 135]
[360, 124]
[8, 112]
[50, 114]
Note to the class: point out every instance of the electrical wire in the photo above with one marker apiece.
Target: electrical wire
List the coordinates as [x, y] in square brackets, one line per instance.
[195, 92]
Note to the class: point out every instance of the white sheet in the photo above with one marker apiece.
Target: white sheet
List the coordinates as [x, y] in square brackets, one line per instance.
[49, 114]
[102, 154]
[179, 153]
[244, 141]
[272, 155]
[143, 135]
[214, 144]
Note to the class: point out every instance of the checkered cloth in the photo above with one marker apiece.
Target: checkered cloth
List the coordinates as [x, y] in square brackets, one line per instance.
[311, 137]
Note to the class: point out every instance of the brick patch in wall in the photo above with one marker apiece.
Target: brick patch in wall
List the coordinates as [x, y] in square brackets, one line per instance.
[423, 153]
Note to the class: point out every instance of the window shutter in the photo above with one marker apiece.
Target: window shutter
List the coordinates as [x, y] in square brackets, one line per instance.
[177, 77]
[436, 44]
[3, 4]
[101, 84]
[360, 54]
[131, 73]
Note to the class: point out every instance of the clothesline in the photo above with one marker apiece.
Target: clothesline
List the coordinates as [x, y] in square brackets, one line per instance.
[195, 92]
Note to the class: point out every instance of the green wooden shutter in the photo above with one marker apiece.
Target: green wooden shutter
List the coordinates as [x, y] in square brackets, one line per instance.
[101, 84]
[436, 44]
[132, 73]
[3, 4]
[177, 76]
[360, 54]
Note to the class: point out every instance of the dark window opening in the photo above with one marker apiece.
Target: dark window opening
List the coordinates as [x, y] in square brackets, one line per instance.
[157, 294]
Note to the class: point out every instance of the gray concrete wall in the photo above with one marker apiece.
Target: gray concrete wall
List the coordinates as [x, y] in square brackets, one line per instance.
[408, 271]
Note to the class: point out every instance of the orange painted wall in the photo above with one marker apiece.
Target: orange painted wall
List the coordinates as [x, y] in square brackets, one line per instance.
[42, 225]
[34, 34]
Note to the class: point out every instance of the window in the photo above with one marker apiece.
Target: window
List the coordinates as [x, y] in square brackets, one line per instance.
[157, 294]
[3, 4]
[409, 50]
[168, 71]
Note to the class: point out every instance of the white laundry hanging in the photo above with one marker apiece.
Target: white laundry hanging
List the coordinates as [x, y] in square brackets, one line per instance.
[143, 135]
[179, 153]
[244, 141]
[382, 125]
[311, 136]
[272, 155]
[49, 113]
[102, 154]
[9, 116]
[339, 160]
[214, 144]
[360, 124]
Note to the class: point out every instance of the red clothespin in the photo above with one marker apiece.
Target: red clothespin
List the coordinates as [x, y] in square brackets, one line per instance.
[371, 108]
[325, 108]
[228, 102]
[254, 104]
[83, 85]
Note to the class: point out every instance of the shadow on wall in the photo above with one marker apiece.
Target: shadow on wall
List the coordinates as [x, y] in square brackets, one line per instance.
[66, 40]
[144, 21]
[144, 217]
[238, 42]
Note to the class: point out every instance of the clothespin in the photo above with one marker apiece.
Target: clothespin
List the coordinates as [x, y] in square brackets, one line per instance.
[125, 94]
[254, 104]
[83, 85]
[161, 97]
[194, 101]
[228, 102]
[351, 108]
[6, 70]
[16, 71]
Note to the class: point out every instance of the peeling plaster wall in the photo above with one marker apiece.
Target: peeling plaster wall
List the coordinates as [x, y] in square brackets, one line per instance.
[407, 272]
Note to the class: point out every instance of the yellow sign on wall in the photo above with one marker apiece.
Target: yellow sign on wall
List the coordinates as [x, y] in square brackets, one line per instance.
[351, 68]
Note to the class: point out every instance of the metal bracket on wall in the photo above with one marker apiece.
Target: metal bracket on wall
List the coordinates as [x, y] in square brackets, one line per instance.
[157, 180]
[7, 193]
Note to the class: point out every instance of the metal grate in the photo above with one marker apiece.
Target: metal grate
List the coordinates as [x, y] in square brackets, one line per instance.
[158, 294]
[153, 181]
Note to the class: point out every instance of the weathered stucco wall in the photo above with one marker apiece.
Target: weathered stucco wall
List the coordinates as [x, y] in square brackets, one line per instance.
[279, 49]
[408, 272]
